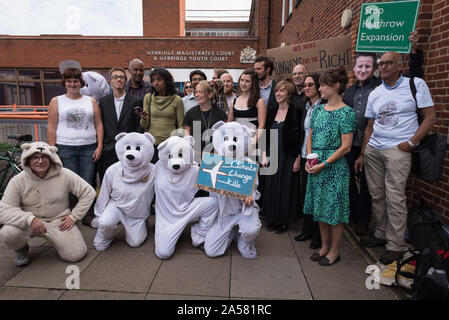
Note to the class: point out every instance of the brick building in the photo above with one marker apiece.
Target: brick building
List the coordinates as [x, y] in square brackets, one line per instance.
[297, 21]
[28, 65]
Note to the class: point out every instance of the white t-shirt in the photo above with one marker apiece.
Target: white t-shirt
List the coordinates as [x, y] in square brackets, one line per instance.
[394, 111]
[76, 125]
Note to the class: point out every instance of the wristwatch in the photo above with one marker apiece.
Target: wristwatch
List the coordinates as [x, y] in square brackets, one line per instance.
[412, 145]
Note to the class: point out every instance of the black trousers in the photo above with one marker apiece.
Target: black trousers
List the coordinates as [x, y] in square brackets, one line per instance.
[360, 202]
[310, 228]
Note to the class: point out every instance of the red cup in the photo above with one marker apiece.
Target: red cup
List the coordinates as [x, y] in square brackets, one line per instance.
[312, 159]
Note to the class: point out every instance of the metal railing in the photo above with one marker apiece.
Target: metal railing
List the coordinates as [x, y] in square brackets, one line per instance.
[23, 119]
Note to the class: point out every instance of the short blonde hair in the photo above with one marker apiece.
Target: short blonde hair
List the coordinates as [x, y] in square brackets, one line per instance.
[205, 87]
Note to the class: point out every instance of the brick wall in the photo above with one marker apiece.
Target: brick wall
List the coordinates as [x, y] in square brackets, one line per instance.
[163, 17]
[105, 52]
[310, 21]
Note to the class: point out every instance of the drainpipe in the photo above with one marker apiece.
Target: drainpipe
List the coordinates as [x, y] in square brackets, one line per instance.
[269, 24]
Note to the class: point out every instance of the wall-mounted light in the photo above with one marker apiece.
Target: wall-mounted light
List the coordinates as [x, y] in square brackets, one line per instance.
[346, 18]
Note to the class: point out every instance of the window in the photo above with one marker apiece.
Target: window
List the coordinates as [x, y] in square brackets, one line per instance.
[283, 13]
[32, 87]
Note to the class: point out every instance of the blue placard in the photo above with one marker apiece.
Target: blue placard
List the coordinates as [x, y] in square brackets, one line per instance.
[232, 177]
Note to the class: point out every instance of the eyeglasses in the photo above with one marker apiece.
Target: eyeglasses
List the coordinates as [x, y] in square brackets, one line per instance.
[188, 87]
[38, 158]
[387, 63]
[310, 85]
[118, 77]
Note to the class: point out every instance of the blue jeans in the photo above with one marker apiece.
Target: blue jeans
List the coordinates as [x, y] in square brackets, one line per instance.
[79, 160]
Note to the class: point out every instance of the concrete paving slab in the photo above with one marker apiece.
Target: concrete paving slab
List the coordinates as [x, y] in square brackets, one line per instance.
[13, 293]
[121, 270]
[193, 274]
[89, 234]
[268, 277]
[49, 271]
[8, 268]
[343, 281]
[101, 295]
[154, 296]
[347, 251]
[269, 244]
[119, 243]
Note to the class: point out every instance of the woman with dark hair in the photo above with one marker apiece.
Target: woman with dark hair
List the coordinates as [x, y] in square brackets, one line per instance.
[327, 196]
[163, 110]
[75, 126]
[283, 186]
[249, 108]
[310, 229]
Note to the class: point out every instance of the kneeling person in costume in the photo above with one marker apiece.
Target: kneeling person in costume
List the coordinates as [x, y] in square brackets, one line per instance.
[176, 207]
[36, 204]
[127, 191]
[236, 219]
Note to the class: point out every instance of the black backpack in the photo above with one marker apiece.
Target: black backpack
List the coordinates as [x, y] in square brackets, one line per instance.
[425, 229]
[431, 277]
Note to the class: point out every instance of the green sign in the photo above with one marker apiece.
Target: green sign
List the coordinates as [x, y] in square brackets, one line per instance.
[386, 26]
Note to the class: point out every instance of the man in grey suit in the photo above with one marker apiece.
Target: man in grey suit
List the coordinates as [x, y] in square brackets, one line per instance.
[119, 115]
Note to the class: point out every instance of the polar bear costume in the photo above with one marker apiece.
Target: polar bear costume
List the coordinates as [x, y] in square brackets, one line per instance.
[127, 191]
[236, 220]
[96, 85]
[176, 207]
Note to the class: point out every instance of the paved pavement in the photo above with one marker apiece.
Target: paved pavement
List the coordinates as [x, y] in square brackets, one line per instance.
[282, 270]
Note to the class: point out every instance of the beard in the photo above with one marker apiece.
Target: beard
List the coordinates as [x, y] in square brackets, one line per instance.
[227, 90]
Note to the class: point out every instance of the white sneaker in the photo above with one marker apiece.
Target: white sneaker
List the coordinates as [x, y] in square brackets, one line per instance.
[22, 257]
[94, 223]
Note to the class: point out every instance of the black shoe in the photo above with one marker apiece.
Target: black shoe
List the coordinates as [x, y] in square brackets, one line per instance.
[371, 242]
[315, 244]
[302, 237]
[316, 256]
[391, 256]
[281, 228]
[271, 227]
[326, 263]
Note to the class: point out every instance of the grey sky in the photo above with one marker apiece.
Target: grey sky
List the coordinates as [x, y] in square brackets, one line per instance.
[87, 17]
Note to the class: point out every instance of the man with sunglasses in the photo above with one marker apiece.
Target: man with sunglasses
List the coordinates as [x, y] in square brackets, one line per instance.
[36, 204]
[391, 133]
[356, 96]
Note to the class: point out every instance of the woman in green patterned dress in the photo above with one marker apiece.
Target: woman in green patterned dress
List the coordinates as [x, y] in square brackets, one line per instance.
[327, 195]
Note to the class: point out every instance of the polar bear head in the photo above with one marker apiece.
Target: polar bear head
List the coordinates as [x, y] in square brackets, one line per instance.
[134, 150]
[96, 85]
[176, 153]
[30, 149]
[231, 139]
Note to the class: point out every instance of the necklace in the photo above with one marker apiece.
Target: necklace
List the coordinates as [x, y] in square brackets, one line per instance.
[206, 124]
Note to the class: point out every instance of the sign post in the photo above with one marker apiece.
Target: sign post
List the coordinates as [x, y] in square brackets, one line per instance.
[386, 26]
